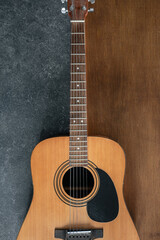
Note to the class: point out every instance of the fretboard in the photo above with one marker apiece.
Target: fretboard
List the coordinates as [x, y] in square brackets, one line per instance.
[78, 153]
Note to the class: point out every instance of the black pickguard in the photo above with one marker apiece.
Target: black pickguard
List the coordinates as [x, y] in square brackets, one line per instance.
[104, 206]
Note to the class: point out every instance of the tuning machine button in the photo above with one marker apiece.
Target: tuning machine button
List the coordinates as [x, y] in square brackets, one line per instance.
[71, 7]
[91, 1]
[91, 10]
[84, 8]
[63, 10]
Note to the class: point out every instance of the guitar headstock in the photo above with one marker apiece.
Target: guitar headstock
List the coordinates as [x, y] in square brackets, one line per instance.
[77, 9]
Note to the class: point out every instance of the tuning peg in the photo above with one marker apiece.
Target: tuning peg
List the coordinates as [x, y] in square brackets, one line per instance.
[91, 10]
[63, 10]
[91, 1]
[63, 1]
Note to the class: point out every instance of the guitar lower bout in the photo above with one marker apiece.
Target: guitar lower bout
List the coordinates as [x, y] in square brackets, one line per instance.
[78, 197]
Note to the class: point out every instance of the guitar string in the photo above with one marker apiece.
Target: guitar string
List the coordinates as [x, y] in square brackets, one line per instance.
[76, 48]
[70, 133]
[80, 125]
[75, 122]
[82, 122]
[83, 166]
[85, 180]
[78, 78]
[85, 187]
[81, 60]
[80, 94]
[77, 114]
[73, 166]
[73, 93]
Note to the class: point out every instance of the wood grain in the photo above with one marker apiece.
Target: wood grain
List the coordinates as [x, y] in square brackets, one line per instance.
[48, 212]
[123, 68]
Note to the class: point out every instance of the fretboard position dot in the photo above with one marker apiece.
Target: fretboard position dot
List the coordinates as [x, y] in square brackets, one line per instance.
[77, 100]
[74, 121]
[78, 138]
[77, 85]
[81, 121]
[78, 148]
[77, 68]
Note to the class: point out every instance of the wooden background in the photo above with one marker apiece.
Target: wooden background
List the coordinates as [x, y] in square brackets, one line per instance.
[123, 56]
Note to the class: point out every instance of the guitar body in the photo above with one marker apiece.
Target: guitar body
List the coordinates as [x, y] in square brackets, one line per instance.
[48, 211]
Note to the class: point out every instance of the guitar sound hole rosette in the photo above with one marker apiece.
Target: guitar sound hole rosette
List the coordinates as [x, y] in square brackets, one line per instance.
[64, 195]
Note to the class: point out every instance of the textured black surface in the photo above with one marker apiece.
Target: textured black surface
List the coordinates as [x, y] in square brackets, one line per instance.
[34, 96]
[104, 207]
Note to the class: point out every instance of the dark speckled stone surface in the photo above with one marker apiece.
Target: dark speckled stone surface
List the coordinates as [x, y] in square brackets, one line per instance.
[34, 96]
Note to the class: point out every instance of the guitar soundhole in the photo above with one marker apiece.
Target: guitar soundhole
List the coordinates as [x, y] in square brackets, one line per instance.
[78, 182]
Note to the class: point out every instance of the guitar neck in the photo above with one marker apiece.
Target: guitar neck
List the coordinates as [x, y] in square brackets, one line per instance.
[78, 153]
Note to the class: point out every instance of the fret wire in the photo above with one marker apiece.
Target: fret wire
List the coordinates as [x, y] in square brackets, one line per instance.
[78, 111]
[78, 72]
[85, 150]
[78, 81]
[82, 125]
[76, 155]
[78, 33]
[79, 97]
[76, 141]
[78, 147]
[77, 105]
[78, 21]
[78, 161]
[79, 136]
[77, 44]
[78, 151]
[78, 130]
[78, 54]
[76, 90]
[76, 125]
[77, 164]
[78, 64]
[82, 146]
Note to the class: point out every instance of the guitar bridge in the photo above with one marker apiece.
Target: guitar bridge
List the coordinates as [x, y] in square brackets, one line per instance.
[78, 234]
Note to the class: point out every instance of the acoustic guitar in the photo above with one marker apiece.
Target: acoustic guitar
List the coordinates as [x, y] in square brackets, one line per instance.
[78, 180]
